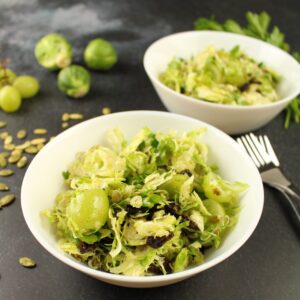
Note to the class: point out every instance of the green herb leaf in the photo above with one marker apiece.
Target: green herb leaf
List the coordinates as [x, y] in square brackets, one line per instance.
[233, 26]
[66, 175]
[208, 24]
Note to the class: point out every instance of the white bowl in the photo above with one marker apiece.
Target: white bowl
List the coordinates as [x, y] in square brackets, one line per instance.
[231, 119]
[43, 181]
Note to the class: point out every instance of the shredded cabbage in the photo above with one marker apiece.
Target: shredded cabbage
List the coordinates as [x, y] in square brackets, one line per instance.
[145, 207]
[222, 77]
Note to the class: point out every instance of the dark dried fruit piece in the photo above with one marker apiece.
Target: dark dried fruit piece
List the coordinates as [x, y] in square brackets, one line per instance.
[157, 242]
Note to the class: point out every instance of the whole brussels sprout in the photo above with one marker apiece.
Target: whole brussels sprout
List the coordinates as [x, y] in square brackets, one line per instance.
[53, 52]
[99, 54]
[74, 81]
[7, 77]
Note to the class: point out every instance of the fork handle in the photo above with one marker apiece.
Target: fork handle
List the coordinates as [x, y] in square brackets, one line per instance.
[292, 197]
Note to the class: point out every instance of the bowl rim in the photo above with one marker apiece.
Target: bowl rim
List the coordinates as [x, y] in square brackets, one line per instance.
[65, 258]
[155, 80]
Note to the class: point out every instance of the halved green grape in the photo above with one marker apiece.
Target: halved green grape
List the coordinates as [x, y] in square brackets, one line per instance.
[28, 86]
[53, 52]
[87, 212]
[99, 54]
[74, 81]
[173, 185]
[10, 99]
[7, 77]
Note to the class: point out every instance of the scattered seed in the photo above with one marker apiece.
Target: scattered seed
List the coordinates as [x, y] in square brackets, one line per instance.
[9, 147]
[2, 124]
[5, 154]
[23, 146]
[3, 135]
[65, 117]
[75, 116]
[40, 131]
[3, 186]
[6, 172]
[3, 161]
[31, 150]
[6, 200]
[15, 158]
[65, 125]
[16, 152]
[8, 140]
[106, 110]
[21, 134]
[27, 262]
[22, 162]
[38, 141]
[40, 146]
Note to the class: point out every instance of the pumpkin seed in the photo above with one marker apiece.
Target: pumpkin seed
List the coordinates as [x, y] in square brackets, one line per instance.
[3, 135]
[40, 131]
[6, 200]
[15, 158]
[27, 262]
[23, 146]
[3, 186]
[65, 125]
[38, 141]
[31, 150]
[9, 147]
[8, 140]
[65, 117]
[76, 116]
[3, 161]
[5, 154]
[22, 162]
[40, 146]
[16, 152]
[2, 124]
[21, 134]
[106, 110]
[6, 172]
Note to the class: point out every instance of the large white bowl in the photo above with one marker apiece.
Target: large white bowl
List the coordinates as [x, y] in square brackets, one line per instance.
[231, 119]
[43, 181]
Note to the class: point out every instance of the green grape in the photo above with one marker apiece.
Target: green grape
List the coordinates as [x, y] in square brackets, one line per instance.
[28, 86]
[7, 77]
[173, 185]
[88, 212]
[99, 54]
[10, 99]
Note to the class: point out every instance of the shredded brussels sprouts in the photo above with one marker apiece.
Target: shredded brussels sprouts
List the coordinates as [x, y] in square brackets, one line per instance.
[145, 207]
[222, 77]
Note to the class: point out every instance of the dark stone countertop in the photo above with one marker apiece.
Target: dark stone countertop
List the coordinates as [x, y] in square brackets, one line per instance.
[266, 267]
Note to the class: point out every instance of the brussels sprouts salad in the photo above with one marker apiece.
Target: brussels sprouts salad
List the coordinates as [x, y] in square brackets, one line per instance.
[222, 77]
[145, 207]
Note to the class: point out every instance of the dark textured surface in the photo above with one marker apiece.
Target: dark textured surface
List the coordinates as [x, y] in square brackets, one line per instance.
[266, 267]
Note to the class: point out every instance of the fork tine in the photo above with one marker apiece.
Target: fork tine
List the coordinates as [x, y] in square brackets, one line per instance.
[256, 153]
[245, 145]
[261, 140]
[260, 148]
[271, 151]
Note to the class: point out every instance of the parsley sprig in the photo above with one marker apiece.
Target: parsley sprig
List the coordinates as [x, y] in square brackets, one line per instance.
[257, 26]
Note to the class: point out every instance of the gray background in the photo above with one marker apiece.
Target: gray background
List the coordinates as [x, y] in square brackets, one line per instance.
[266, 267]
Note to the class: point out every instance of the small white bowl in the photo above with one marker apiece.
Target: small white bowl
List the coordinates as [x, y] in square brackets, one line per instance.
[231, 119]
[43, 181]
